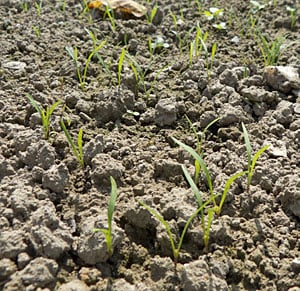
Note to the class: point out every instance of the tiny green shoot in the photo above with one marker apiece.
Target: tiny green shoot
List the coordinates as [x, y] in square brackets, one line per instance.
[76, 149]
[45, 114]
[110, 211]
[38, 7]
[217, 208]
[73, 52]
[175, 249]
[36, 30]
[120, 64]
[152, 14]
[251, 161]
[200, 142]
[293, 16]
[110, 13]
[271, 50]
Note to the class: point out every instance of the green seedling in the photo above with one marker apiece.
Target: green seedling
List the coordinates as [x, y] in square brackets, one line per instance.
[120, 65]
[217, 208]
[110, 211]
[36, 30]
[200, 140]
[174, 18]
[76, 149]
[152, 14]
[251, 161]
[210, 211]
[73, 52]
[110, 13]
[63, 5]
[198, 44]
[45, 114]
[38, 7]
[158, 44]
[220, 26]
[271, 50]
[103, 64]
[209, 68]
[293, 16]
[175, 249]
[213, 13]
[24, 6]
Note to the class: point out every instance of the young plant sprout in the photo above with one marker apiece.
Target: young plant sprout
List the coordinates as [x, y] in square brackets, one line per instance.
[76, 149]
[293, 15]
[217, 208]
[213, 13]
[120, 65]
[251, 161]
[110, 211]
[175, 249]
[271, 50]
[110, 13]
[210, 211]
[152, 14]
[200, 141]
[73, 52]
[45, 114]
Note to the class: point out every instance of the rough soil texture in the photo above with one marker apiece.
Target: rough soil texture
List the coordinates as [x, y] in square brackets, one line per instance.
[49, 204]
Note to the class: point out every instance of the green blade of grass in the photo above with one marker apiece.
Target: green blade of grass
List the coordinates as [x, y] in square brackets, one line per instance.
[248, 145]
[200, 160]
[256, 156]
[163, 222]
[226, 189]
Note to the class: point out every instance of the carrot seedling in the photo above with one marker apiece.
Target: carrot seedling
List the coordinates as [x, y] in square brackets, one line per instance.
[76, 149]
[251, 161]
[110, 211]
[45, 114]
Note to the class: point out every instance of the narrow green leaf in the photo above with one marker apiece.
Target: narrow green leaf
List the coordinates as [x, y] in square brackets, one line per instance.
[226, 189]
[112, 201]
[256, 156]
[200, 160]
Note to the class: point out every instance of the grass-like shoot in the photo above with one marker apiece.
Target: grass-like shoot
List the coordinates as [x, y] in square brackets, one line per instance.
[217, 208]
[76, 149]
[120, 65]
[73, 52]
[110, 211]
[271, 50]
[45, 114]
[251, 161]
[200, 141]
[175, 248]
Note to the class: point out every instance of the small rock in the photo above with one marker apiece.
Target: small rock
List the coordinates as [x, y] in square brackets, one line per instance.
[75, 285]
[282, 78]
[165, 112]
[92, 247]
[296, 265]
[39, 273]
[277, 147]
[14, 65]
[7, 267]
[197, 276]
[284, 112]
[104, 166]
[12, 243]
[56, 178]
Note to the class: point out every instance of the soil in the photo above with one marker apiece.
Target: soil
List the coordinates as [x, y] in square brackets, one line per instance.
[49, 204]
